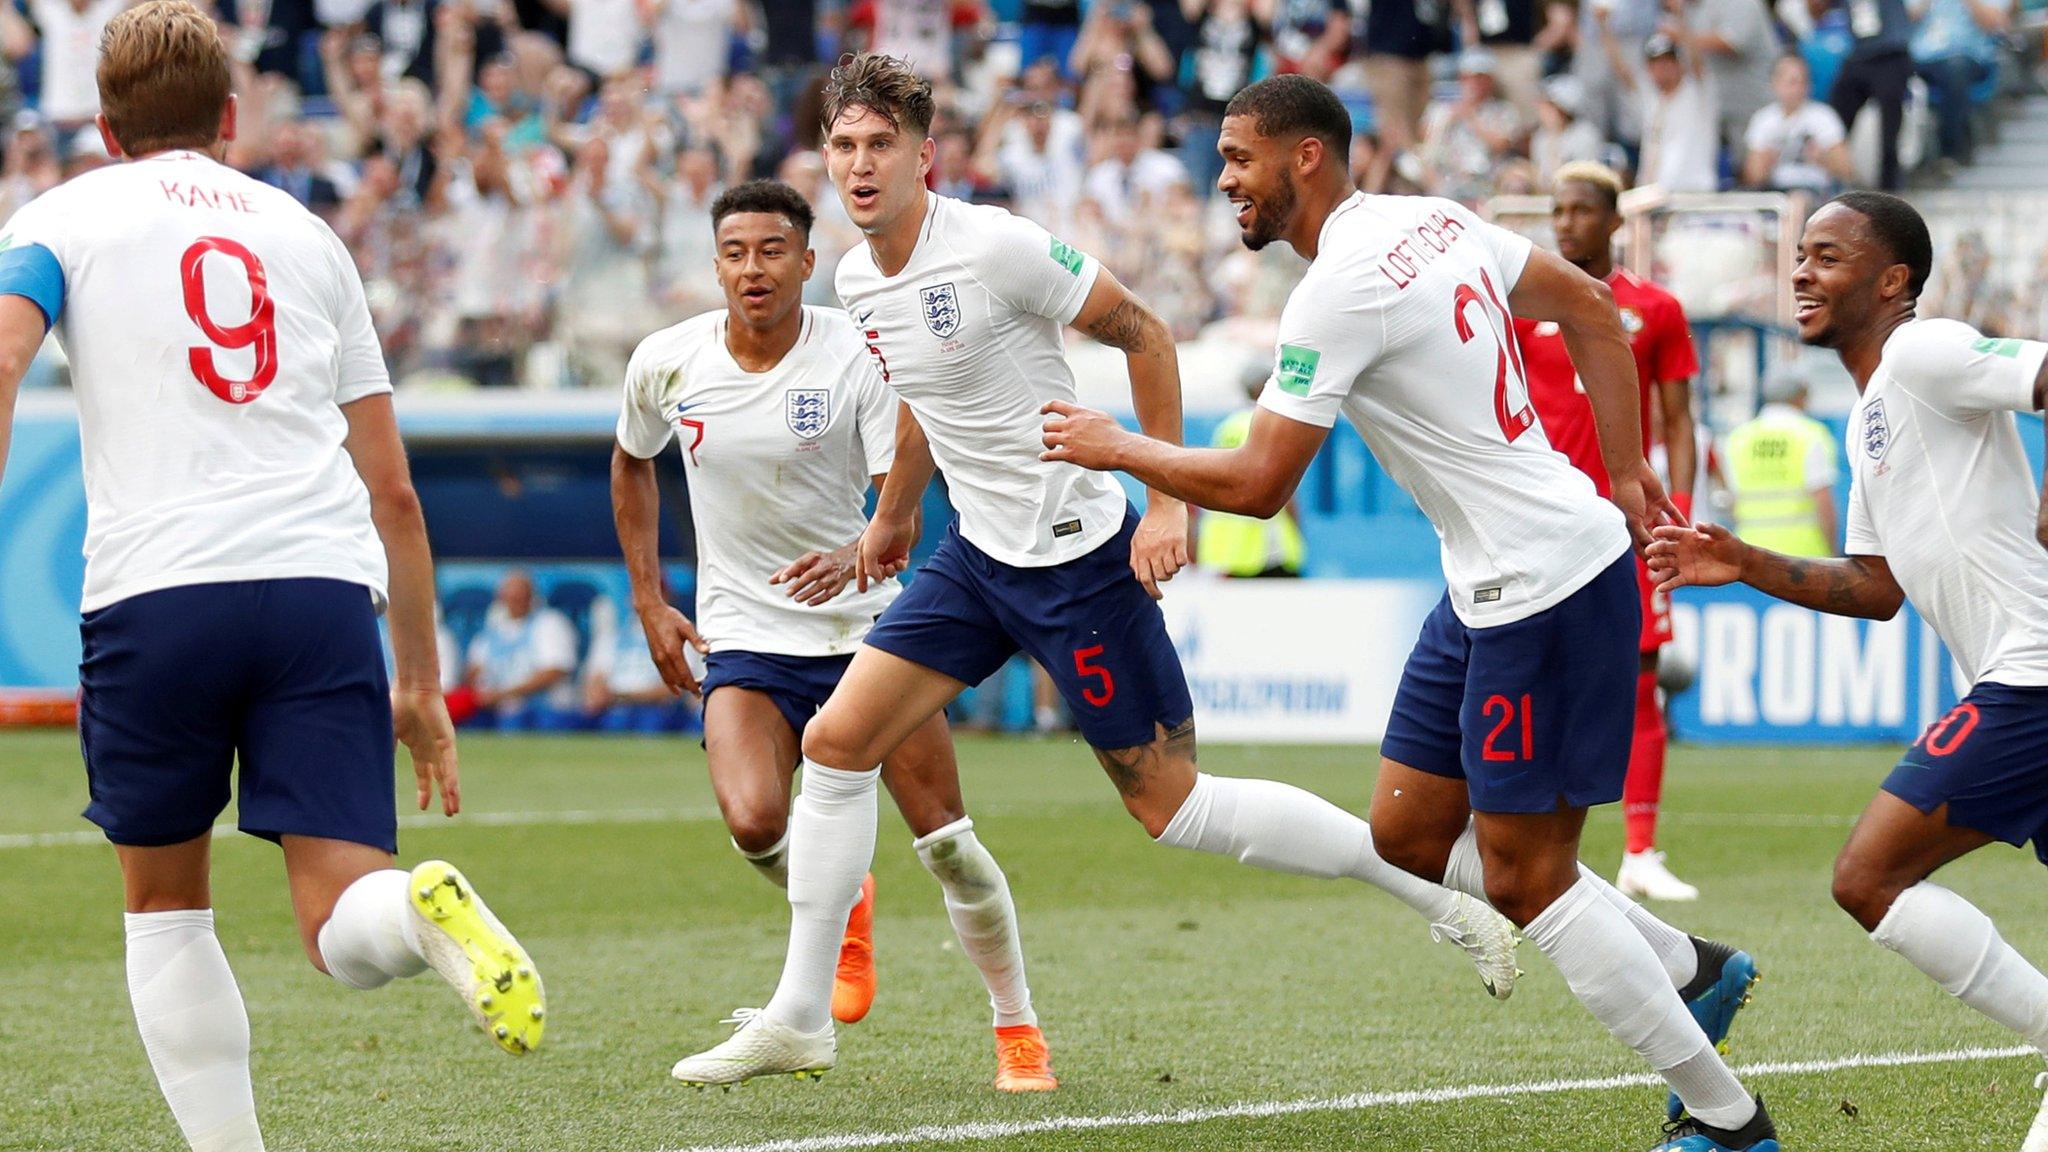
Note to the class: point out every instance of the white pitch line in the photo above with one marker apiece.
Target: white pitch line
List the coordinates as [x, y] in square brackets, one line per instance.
[422, 820]
[1355, 1102]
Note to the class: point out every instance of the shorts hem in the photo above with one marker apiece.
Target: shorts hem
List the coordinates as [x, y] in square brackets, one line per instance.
[276, 835]
[1454, 769]
[1103, 744]
[923, 660]
[125, 840]
[1574, 803]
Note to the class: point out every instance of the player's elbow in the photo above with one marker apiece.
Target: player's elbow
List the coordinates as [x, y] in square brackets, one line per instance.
[395, 502]
[1886, 602]
[1593, 305]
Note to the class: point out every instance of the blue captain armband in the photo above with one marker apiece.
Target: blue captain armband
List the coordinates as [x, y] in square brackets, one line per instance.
[31, 270]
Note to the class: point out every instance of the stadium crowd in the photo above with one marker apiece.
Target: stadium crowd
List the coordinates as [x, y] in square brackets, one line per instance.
[526, 183]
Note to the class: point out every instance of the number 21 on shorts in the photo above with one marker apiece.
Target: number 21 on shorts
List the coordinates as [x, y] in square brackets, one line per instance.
[259, 331]
[1509, 712]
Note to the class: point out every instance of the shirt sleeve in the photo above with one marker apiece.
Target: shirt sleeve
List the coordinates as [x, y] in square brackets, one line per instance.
[1946, 365]
[1032, 270]
[1330, 335]
[360, 369]
[643, 431]
[875, 416]
[1674, 357]
[32, 258]
[1860, 539]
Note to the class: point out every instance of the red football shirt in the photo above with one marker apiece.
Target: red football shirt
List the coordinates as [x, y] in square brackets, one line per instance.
[1662, 341]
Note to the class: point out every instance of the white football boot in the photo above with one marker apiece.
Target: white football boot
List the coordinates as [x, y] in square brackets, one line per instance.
[1487, 937]
[1644, 877]
[2037, 1136]
[759, 1047]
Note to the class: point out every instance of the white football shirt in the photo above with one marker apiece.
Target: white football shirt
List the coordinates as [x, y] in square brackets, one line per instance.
[1402, 324]
[969, 333]
[779, 464]
[215, 329]
[1941, 488]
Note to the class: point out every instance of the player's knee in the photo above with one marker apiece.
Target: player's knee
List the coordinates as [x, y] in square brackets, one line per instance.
[1863, 892]
[1152, 812]
[756, 828]
[1521, 892]
[1407, 848]
[830, 741]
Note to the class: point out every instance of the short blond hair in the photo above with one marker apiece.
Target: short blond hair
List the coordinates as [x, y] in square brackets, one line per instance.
[1593, 174]
[163, 77]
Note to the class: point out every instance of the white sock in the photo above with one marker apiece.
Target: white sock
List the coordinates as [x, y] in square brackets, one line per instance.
[1956, 944]
[831, 844]
[1673, 948]
[1615, 974]
[773, 861]
[978, 901]
[194, 1027]
[370, 939]
[1279, 827]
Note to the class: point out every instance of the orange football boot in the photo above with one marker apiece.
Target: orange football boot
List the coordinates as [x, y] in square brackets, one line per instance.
[1023, 1061]
[853, 986]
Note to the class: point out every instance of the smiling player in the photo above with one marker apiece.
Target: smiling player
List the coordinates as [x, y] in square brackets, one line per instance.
[784, 421]
[962, 308]
[1942, 511]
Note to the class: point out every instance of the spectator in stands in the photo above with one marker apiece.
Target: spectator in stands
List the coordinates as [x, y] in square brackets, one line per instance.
[1781, 470]
[687, 241]
[1132, 179]
[1737, 46]
[1955, 48]
[1797, 143]
[70, 39]
[1311, 37]
[920, 32]
[1229, 36]
[404, 33]
[1118, 44]
[494, 291]
[622, 688]
[292, 155]
[1038, 151]
[1465, 142]
[1969, 288]
[1680, 134]
[522, 665]
[1609, 62]
[604, 35]
[1518, 33]
[1878, 67]
[404, 138]
[606, 236]
[1245, 547]
[1562, 135]
[1399, 40]
[31, 167]
[692, 42]
[357, 86]
[1047, 30]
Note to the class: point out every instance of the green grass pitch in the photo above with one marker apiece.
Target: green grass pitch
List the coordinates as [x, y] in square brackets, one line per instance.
[1166, 981]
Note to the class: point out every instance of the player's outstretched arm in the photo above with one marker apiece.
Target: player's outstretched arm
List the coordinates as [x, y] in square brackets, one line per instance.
[417, 710]
[1551, 288]
[1708, 555]
[21, 332]
[636, 507]
[884, 548]
[1122, 321]
[1255, 478]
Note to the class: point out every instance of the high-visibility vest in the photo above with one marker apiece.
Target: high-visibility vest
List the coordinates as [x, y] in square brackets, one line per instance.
[1766, 462]
[1240, 545]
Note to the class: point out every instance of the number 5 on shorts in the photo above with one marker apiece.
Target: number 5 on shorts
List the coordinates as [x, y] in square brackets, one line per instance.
[1098, 697]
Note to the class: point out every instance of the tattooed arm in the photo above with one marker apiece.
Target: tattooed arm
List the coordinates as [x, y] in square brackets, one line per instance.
[1116, 318]
[1707, 555]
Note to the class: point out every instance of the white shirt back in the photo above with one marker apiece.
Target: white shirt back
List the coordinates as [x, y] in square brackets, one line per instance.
[1401, 323]
[778, 465]
[1941, 488]
[215, 329]
[969, 333]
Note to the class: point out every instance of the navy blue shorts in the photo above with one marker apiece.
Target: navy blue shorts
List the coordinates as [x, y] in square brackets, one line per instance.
[1987, 759]
[1532, 714]
[285, 677]
[799, 685]
[1087, 621]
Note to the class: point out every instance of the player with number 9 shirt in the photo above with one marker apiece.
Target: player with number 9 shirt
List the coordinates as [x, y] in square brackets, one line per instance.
[249, 514]
[1512, 718]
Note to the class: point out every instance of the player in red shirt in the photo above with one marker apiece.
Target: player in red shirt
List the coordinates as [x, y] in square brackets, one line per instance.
[1584, 215]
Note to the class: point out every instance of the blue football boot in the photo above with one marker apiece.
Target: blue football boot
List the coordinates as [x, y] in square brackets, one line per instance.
[1689, 1135]
[1720, 987]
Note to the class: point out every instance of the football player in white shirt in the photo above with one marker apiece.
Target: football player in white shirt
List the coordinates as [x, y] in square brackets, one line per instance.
[1514, 714]
[783, 421]
[962, 308]
[1942, 512]
[246, 492]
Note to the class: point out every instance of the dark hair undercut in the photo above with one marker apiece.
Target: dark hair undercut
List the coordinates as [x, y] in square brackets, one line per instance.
[1294, 105]
[770, 196]
[1899, 227]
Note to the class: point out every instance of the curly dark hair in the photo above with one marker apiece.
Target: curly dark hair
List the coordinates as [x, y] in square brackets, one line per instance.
[883, 85]
[770, 196]
[1899, 227]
